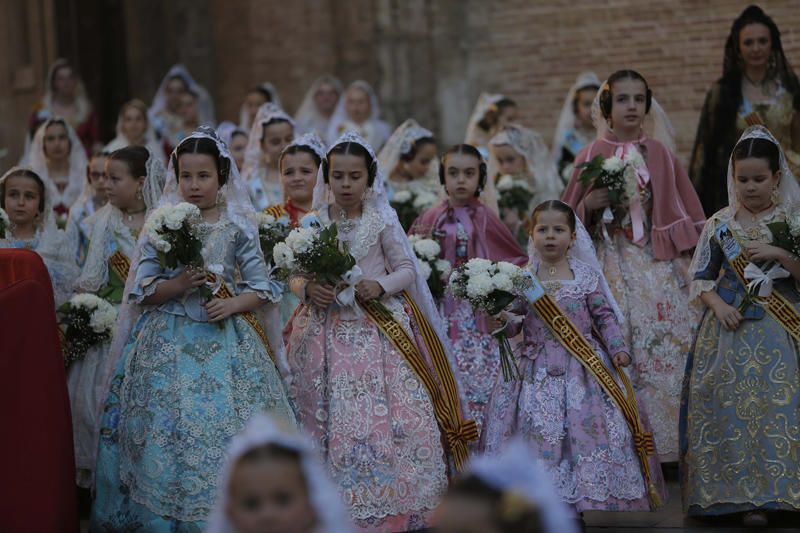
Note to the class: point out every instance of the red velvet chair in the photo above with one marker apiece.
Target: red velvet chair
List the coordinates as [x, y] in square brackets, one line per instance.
[37, 465]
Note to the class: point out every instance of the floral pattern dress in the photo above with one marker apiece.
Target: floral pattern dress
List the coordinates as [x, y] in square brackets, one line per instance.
[181, 389]
[740, 409]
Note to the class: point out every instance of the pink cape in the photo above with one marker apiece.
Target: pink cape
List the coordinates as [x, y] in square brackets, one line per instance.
[490, 240]
[677, 215]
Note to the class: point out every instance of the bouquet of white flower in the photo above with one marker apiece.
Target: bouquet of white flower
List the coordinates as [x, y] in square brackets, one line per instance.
[271, 232]
[170, 230]
[435, 270]
[85, 320]
[616, 174]
[409, 204]
[514, 194]
[5, 224]
[491, 287]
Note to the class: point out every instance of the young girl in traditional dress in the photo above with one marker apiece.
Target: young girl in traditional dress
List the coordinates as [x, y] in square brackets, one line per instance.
[256, 97]
[273, 480]
[741, 401]
[299, 163]
[383, 411]
[57, 156]
[558, 406]
[271, 132]
[27, 200]
[318, 106]
[521, 154]
[409, 157]
[134, 129]
[492, 112]
[358, 109]
[575, 128]
[236, 140]
[192, 371]
[465, 229]
[91, 200]
[643, 245]
[136, 179]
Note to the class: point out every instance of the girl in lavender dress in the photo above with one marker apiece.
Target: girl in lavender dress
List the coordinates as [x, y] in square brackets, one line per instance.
[558, 406]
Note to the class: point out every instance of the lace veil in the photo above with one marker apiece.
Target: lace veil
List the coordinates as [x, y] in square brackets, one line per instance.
[274, 97]
[505, 473]
[788, 198]
[582, 251]
[528, 144]
[474, 134]
[339, 117]
[253, 160]
[205, 106]
[150, 138]
[37, 160]
[263, 430]
[566, 120]
[308, 118]
[400, 143]
[377, 199]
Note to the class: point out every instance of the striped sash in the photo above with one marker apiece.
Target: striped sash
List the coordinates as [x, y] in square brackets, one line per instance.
[277, 211]
[776, 305]
[444, 392]
[579, 347]
[120, 264]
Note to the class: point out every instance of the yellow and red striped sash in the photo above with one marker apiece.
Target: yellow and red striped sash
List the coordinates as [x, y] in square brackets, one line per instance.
[250, 317]
[120, 264]
[277, 211]
[579, 347]
[444, 393]
[775, 304]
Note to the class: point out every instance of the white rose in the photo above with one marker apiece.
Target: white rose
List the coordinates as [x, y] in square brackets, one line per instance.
[283, 256]
[402, 197]
[174, 220]
[502, 282]
[613, 164]
[424, 200]
[427, 249]
[443, 266]
[425, 269]
[479, 286]
[505, 183]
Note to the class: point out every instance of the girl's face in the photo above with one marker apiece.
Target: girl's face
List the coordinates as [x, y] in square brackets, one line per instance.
[237, 147]
[56, 142]
[98, 179]
[188, 108]
[552, 235]
[754, 182]
[357, 105]
[628, 104]
[22, 198]
[270, 495]
[463, 514]
[134, 123]
[509, 161]
[173, 92]
[64, 82]
[755, 45]
[326, 99]
[122, 186]
[508, 115]
[276, 137]
[348, 179]
[252, 102]
[583, 106]
[461, 178]
[198, 180]
[421, 164]
[299, 175]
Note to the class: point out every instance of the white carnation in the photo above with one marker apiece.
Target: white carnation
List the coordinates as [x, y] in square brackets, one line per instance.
[174, 220]
[402, 197]
[103, 318]
[613, 164]
[300, 240]
[634, 158]
[505, 183]
[425, 269]
[443, 266]
[424, 200]
[509, 269]
[793, 221]
[161, 245]
[264, 220]
[479, 286]
[503, 282]
[427, 249]
[283, 256]
[85, 300]
[478, 265]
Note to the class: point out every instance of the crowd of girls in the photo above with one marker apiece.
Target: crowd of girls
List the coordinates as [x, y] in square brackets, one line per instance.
[654, 332]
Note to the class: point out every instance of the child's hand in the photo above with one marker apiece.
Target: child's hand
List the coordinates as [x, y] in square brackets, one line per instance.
[495, 323]
[759, 251]
[321, 295]
[220, 309]
[368, 289]
[622, 359]
[728, 316]
[190, 278]
[597, 199]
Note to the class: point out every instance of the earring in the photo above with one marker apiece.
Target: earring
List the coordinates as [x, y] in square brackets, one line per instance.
[139, 195]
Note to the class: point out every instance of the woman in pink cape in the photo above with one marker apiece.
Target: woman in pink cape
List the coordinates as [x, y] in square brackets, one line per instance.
[465, 228]
[644, 246]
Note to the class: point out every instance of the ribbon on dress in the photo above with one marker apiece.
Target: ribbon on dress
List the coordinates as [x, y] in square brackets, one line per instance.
[760, 281]
[347, 296]
[628, 153]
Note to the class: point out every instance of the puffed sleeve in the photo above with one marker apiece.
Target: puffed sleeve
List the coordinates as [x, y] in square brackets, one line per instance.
[253, 269]
[401, 266]
[148, 275]
[606, 322]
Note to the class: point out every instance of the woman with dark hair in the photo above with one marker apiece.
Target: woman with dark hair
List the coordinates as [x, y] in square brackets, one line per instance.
[758, 86]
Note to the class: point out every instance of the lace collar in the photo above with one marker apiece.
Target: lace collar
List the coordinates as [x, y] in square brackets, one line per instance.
[367, 230]
[584, 282]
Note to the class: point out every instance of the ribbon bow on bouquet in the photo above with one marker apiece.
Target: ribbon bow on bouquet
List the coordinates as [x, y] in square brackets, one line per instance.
[628, 153]
[761, 282]
[347, 296]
